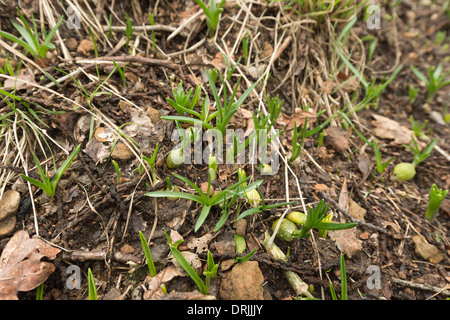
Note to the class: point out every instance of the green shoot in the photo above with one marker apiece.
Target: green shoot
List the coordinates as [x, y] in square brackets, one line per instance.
[122, 73]
[419, 156]
[262, 207]
[182, 102]
[128, 30]
[212, 14]
[49, 185]
[418, 127]
[435, 80]
[297, 147]
[40, 292]
[148, 255]
[212, 167]
[245, 40]
[380, 165]
[118, 171]
[152, 22]
[245, 258]
[206, 200]
[32, 44]
[412, 93]
[230, 68]
[151, 162]
[434, 203]
[229, 106]
[344, 295]
[91, 286]
[314, 220]
[211, 268]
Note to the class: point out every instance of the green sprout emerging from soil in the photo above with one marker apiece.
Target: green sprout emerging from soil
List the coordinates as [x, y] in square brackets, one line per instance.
[48, 185]
[434, 203]
[32, 42]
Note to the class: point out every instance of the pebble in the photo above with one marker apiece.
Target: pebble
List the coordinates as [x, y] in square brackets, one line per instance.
[9, 204]
[243, 282]
[121, 152]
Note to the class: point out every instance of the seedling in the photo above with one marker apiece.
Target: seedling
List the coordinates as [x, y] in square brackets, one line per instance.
[344, 295]
[380, 164]
[435, 81]
[206, 200]
[406, 171]
[262, 207]
[32, 43]
[245, 258]
[148, 255]
[91, 286]
[229, 106]
[297, 147]
[176, 156]
[152, 22]
[412, 93]
[434, 203]
[239, 243]
[418, 127]
[121, 73]
[118, 171]
[128, 30]
[211, 267]
[245, 40]
[314, 219]
[182, 101]
[212, 167]
[49, 185]
[212, 14]
[40, 292]
[151, 162]
[171, 188]
[419, 156]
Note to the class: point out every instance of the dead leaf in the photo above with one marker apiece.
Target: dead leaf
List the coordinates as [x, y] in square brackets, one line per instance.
[199, 244]
[356, 211]
[337, 138]
[21, 268]
[327, 87]
[427, 251]
[364, 166]
[390, 129]
[23, 80]
[298, 117]
[349, 84]
[346, 240]
[154, 283]
[97, 151]
[320, 187]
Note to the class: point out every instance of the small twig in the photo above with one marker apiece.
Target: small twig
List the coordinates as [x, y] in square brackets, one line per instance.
[146, 28]
[82, 256]
[422, 286]
[345, 213]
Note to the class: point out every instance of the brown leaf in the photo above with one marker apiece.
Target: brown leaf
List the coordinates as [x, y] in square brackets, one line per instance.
[427, 251]
[364, 166]
[349, 84]
[356, 211]
[337, 138]
[21, 268]
[391, 129]
[346, 240]
[298, 117]
[154, 283]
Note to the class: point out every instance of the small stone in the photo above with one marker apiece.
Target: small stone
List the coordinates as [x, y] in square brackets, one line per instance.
[126, 248]
[131, 76]
[85, 47]
[427, 251]
[124, 105]
[402, 275]
[153, 114]
[243, 282]
[364, 235]
[204, 188]
[7, 225]
[241, 226]
[9, 203]
[121, 152]
[72, 44]
[103, 134]
[227, 264]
